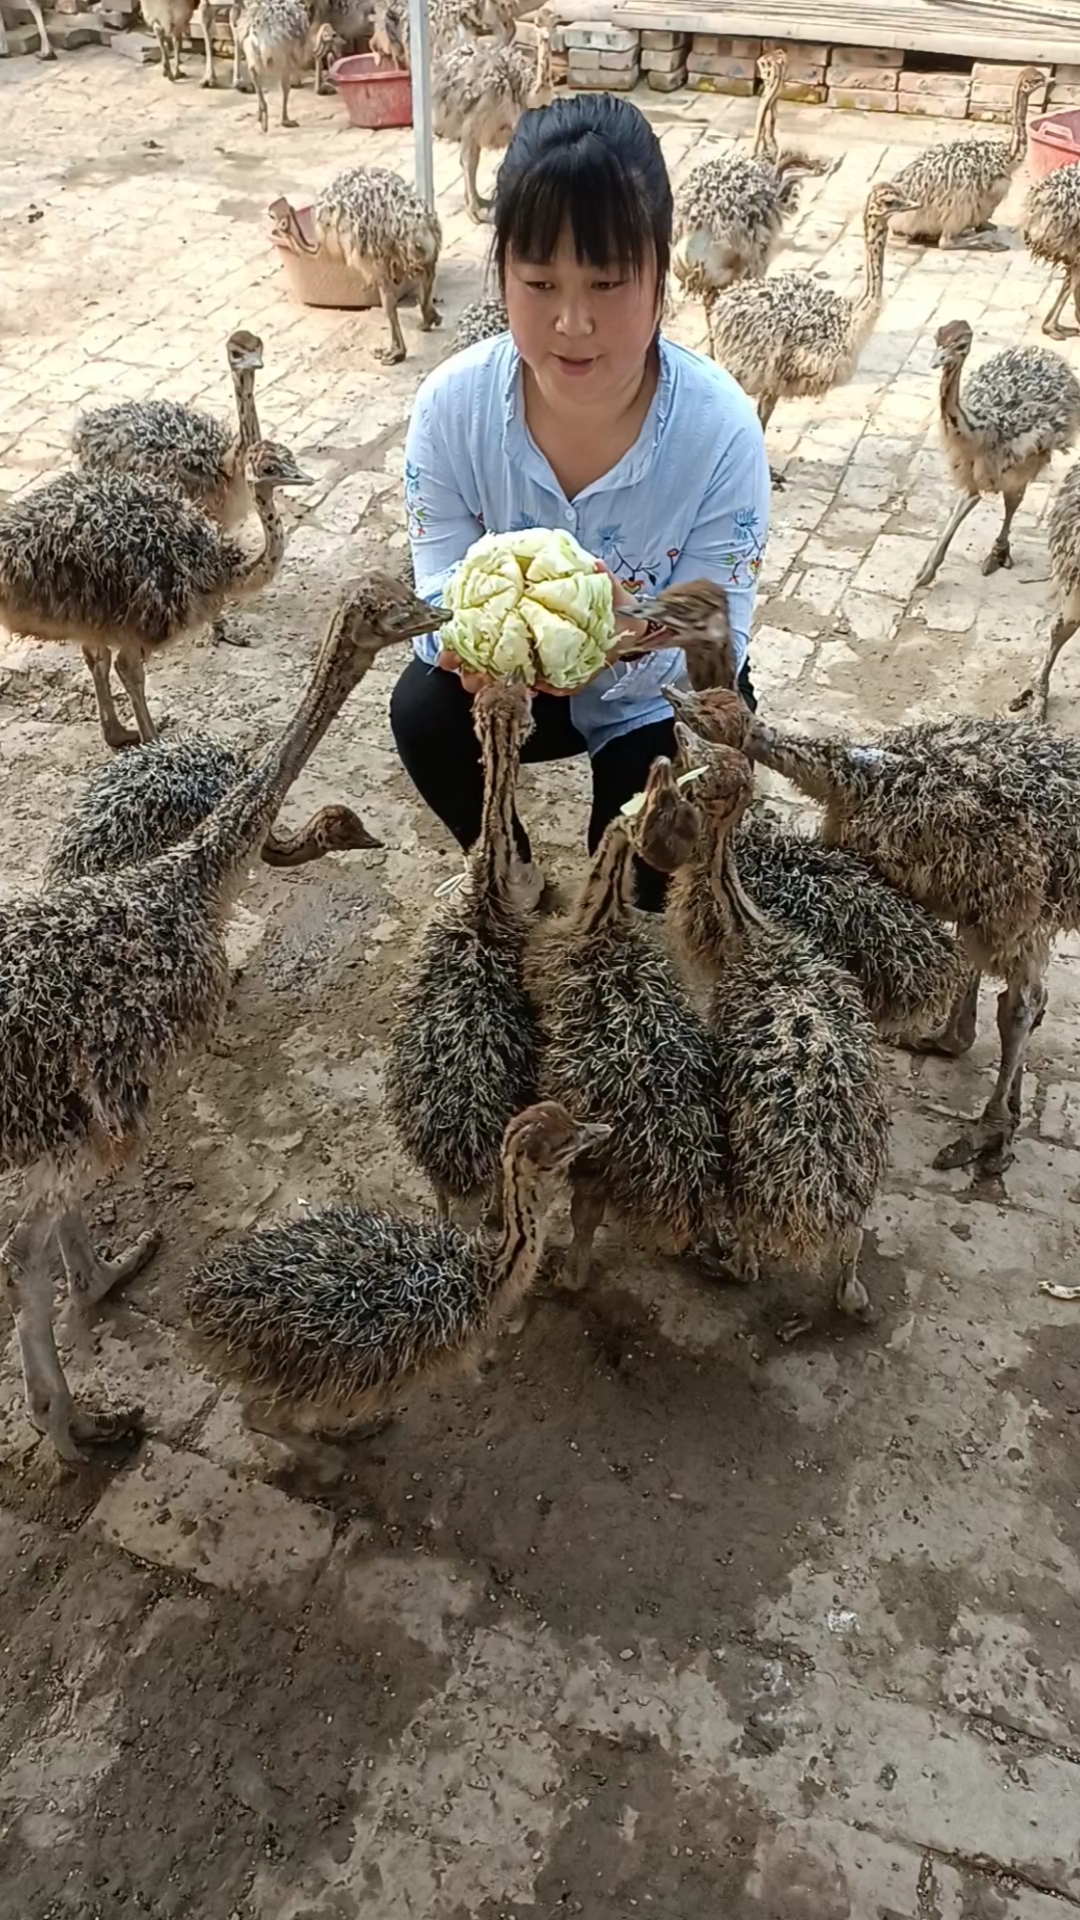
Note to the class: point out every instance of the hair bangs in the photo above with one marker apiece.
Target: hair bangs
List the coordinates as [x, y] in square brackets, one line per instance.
[583, 188]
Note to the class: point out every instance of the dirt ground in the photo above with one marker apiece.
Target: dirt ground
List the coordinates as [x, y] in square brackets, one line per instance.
[663, 1616]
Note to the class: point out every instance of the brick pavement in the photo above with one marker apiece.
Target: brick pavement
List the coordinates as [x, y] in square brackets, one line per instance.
[660, 1616]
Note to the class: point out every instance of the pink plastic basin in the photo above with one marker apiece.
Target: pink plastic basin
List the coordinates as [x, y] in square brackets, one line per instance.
[375, 95]
[1054, 141]
[316, 280]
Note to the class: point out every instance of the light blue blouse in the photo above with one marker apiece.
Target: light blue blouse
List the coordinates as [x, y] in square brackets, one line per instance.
[690, 500]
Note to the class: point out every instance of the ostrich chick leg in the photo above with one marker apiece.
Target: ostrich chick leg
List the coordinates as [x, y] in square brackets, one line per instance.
[477, 208]
[1052, 324]
[982, 239]
[587, 1203]
[958, 1034]
[327, 1463]
[765, 406]
[89, 1277]
[851, 1295]
[132, 677]
[116, 735]
[1061, 631]
[49, 1404]
[1000, 554]
[1020, 1009]
[959, 514]
[392, 355]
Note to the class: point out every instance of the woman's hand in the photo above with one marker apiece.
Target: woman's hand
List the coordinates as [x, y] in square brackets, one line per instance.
[632, 628]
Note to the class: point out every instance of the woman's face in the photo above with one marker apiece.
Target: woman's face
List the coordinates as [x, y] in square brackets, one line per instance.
[584, 331]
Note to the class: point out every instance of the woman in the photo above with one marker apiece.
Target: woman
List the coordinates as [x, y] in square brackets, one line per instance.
[582, 416]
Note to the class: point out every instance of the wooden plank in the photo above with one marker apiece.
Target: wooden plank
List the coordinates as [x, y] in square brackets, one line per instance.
[1012, 31]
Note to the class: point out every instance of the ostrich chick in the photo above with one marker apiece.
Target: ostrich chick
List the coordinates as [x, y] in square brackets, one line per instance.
[464, 1055]
[169, 21]
[192, 451]
[787, 335]
[104, 985]
[978, 819]
[322, 1321]
[277, 41]
[150, 798]
[801, 1075]
[907, 964]
[124, 565]
[1016, 411]
[623, 1044]
[1063, 543]
[480, 320]
[1052, 233]
[371, 219]
[954, 190]
[479, 93]
[729, 212]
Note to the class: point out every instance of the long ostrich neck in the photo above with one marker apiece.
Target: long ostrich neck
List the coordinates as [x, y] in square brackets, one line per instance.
[510, 1268]
[869, 302]
[736, 913]
[953, 417]
[247, 419]
[257, 573]
[764, 146]
[1018, 138]
[492, 860]
[541, 85]
[242, 820]
[825, 770]
[605, 897]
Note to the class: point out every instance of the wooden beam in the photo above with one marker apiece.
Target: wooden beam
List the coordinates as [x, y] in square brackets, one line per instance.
[1012, 31]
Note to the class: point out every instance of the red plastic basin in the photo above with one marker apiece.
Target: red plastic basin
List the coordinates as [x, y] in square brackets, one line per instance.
[375, 95]
[1054, 141]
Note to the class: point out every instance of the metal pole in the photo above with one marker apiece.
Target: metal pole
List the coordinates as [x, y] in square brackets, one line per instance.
[420, 66]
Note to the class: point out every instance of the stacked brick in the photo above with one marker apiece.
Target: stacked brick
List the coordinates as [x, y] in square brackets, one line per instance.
[864, 79]
[992, 91]
[663, 59]
[602, 59]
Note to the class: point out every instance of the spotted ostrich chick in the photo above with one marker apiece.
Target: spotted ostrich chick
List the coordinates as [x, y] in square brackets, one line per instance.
[450, 23]
[277, 40]
[801, 1074]
[953, 191]
[621, 1038]
[321, 1322]
[1063, 541]
[1052, 233]
[729, 212]
[479, 93]
[980, 820]
[465, 1051]
[481, 320]
[44, 48]
[123, 565]
[907, 964]
[169, 21]
[198, 454]
[1016, 411]
[786, 335]
[152, 797]
[372, 220]
[106, 983]
[192, 451]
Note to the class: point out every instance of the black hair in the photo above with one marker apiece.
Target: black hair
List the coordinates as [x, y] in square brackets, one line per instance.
[592, 163]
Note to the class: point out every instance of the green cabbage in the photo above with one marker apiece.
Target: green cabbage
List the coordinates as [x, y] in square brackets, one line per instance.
[532, 601]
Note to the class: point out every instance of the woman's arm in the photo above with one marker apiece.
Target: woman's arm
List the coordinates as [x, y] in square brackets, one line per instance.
[442, 525]
[727, 541]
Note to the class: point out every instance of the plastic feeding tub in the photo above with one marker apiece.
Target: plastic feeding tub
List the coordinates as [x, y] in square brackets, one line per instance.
[1054, 141]
[310, 274]
[375, 95]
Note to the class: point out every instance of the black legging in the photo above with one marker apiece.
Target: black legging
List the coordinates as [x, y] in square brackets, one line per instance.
[431, 719]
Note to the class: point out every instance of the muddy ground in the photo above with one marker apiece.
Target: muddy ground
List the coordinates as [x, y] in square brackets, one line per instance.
[662, 1616]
